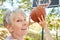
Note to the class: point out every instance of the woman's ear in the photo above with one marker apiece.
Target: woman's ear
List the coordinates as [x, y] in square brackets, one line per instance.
[10, 29]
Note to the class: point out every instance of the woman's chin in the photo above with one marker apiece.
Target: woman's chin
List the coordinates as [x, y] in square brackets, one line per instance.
[24, 33]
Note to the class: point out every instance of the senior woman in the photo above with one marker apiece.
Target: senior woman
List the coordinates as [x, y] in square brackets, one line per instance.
[15, 22]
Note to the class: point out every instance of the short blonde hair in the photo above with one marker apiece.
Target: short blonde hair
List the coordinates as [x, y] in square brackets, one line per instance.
[8, 15]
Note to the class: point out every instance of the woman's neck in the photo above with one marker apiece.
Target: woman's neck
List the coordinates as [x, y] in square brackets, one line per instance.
[20, 38]
[17, 37]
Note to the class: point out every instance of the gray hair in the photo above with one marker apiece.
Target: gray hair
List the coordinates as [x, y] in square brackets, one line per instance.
[8, 15]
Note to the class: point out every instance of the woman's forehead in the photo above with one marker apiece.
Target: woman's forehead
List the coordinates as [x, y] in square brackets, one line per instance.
[19, 15]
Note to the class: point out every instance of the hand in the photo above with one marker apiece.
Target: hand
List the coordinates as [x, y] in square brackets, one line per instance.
[44, 25]
[42, 22]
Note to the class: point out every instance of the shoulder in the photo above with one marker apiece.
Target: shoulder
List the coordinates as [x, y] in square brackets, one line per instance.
[8, 38]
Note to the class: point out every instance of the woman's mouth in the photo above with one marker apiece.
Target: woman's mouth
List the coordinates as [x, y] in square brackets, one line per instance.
[24, 29]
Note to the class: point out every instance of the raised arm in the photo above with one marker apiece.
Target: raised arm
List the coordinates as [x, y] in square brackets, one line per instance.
[44, 25]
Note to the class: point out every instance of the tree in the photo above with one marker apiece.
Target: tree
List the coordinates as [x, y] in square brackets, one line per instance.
[54, 21]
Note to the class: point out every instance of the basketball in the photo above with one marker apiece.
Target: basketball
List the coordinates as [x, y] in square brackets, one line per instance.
[37, 12]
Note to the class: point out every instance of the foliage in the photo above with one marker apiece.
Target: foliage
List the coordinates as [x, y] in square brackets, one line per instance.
[3, 34]
[28, 38]
[25, 4]
[1, 2]
[1, 15]
[52, 19]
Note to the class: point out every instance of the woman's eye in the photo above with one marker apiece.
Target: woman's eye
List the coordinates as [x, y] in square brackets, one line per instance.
[19, 20]
[24, 19]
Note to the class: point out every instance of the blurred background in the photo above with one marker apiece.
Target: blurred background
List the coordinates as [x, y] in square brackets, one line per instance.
[35, 31]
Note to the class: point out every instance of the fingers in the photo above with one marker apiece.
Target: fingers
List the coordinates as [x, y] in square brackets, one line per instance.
[42, 19]
[39, 19]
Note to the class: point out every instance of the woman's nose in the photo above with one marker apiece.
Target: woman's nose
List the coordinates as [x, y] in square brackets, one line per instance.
[24, 23]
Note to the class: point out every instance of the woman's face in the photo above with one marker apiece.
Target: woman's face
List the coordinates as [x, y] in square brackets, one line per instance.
[19, 25]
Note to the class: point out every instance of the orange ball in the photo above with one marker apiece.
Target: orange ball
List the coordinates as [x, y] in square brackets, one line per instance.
[37, 12]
